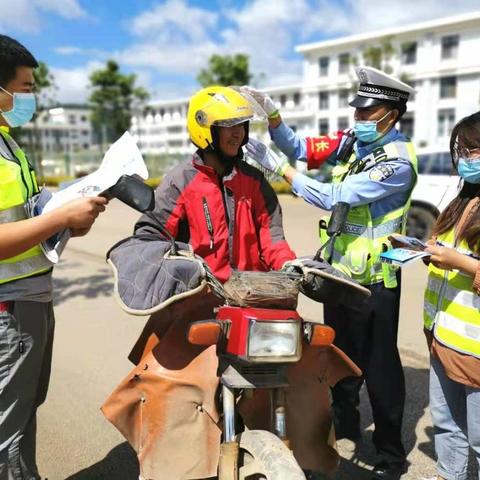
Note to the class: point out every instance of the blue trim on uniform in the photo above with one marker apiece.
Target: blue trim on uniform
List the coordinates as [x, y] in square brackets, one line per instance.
[383, 195]
[291, 144]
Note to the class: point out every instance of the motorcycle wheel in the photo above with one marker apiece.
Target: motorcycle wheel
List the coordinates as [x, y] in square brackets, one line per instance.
[263, 456]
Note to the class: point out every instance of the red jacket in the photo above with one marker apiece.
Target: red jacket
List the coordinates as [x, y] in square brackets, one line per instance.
[234, 222]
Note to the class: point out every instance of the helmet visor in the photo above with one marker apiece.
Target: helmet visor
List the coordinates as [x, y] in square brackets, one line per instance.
[259, 115]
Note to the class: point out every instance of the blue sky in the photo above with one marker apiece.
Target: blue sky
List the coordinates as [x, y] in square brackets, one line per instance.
[166, 42]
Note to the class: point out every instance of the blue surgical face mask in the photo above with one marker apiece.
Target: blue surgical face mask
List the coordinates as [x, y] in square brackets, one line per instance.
[469, 170]
[366, 130]
[24, 106]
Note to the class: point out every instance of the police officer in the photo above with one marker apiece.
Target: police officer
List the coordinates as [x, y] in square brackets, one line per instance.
[26, 315]
[376, 179]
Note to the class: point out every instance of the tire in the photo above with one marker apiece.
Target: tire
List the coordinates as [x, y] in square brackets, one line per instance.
[420, 222]
[263, 456]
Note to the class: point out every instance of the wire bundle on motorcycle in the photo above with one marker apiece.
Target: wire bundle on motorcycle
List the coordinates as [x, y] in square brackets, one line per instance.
[263, 289]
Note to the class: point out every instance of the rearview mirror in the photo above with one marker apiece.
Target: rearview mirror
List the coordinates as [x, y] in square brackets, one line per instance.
[134, 193]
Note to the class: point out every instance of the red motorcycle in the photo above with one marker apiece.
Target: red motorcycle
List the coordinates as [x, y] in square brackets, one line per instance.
[257, 347]
[275, 369]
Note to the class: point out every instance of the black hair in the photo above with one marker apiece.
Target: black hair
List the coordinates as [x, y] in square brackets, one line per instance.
[465, 135]
[400, 106]
[12, 55]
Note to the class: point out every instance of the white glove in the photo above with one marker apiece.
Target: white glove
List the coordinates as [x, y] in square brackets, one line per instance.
[263, 99]
[267, 158]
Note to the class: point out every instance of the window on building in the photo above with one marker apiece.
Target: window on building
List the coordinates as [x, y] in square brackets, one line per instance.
[323, 66]
[323, 100]
[409, 53]
[449, 47]
[448, 87]
[343, 123]
[446, 122]
[344, 63]
[72, 119]
[296, 98]
[343, 98]
[83, 118]
[407, 125]
[283, 100]
[323, 126]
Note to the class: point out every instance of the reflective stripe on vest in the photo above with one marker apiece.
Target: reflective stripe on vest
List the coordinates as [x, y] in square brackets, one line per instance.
[13, 214]
[451, 308]
[357, 250]
[24, 268]
[378, 231]
[17, 185]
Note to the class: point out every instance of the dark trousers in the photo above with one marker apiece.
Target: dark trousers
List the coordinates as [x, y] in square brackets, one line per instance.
[26, 340]
[368, 335]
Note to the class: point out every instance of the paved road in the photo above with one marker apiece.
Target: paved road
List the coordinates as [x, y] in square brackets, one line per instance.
[93, 336]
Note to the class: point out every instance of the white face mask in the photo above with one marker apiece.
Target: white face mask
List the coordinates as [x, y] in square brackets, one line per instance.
[24, 106]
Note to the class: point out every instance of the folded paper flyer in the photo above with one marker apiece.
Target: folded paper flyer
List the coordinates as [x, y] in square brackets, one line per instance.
[122, 158]
[410, 249]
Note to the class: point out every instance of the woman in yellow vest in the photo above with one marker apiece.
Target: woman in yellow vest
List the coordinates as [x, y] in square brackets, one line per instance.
[26, 315]
[452, 313]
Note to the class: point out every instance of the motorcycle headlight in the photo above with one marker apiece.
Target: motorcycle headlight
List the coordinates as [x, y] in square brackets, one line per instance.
[274, 341]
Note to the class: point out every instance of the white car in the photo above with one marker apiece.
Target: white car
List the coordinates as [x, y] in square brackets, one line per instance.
[437, 186]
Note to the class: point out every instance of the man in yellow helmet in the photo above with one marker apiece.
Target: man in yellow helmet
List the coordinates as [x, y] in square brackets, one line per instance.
[218, 203]
[26, 315]
[230, 215]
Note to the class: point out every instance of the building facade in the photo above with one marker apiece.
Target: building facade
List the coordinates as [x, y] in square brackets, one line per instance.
[63, 129]
[439, 58]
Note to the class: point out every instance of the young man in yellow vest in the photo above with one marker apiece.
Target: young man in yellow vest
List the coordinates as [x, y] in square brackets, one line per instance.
[376, 178]
[26, 315]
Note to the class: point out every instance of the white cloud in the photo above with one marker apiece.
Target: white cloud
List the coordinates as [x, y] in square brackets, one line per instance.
[64, 8]
[179, 39]
[175, 20]
[25, 15]
[175, 39]
[87, 52]
[354, 16]
[73, 83]
[266, 30]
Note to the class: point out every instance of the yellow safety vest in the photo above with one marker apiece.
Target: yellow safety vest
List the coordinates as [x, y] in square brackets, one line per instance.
[17, 185]
[451, 308]
[357, 250]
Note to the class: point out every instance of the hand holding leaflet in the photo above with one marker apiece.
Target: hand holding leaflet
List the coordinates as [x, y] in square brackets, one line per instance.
[409, 249]
[403, 241]
[123, 158]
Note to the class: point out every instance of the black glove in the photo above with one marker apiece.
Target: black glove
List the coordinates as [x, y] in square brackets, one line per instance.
[323, 283]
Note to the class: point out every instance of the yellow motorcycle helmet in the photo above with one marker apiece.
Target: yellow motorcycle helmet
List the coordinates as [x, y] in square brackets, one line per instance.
[212, 107]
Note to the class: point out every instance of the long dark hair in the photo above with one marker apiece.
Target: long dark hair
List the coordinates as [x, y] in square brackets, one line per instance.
[465, 136]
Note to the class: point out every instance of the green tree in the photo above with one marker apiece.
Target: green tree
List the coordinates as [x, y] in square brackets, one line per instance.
[44, 91]
[226, 70]
[113, 99]
[379, 56]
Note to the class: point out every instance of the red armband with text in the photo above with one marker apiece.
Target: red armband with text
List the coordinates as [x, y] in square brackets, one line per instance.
[320, 149]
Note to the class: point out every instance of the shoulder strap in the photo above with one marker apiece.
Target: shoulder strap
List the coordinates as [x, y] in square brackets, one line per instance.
[6, 150]
[380, 154]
